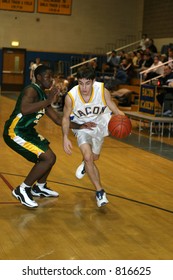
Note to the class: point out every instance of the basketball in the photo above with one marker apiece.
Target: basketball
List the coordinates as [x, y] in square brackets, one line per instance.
[119, 126]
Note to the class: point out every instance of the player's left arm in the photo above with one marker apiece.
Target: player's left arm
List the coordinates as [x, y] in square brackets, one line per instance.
[56, 117]
[112, 106]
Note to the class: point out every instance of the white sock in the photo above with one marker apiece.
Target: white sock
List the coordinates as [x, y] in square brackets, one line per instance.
[41, 185]
[23, 185]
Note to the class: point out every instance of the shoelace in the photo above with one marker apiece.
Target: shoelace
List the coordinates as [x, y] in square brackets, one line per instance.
[83, 171]
[100, 195]
[28, 192]
[45, 187]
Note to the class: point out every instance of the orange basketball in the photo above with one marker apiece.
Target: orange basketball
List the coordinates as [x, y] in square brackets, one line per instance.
[119, 126]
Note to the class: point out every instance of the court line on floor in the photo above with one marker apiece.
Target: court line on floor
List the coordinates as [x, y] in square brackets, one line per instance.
[119, 196]
[110, 194]
[6, 182]
[10, 187]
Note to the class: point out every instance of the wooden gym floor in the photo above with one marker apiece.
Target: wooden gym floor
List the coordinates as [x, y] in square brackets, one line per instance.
[136, 225]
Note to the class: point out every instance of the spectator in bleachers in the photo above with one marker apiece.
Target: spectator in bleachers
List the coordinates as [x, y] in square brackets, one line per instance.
[122, 75]
[71, 82]
[134, 58]
[61, 83]
[94, 65]
[163, 58]
[119, 78]
[112, 62]
[147, 61]
[167, 77]
[127, 66]
[144, 42]
[151, 47]
[152, 73]
[165, 89]
[121, 55]
[140, 60]
[170, 57]
[33, 66]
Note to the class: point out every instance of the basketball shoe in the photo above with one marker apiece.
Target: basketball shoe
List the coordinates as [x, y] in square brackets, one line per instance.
[25, 197]
[80, 171]
[101, 198]
[43, 191]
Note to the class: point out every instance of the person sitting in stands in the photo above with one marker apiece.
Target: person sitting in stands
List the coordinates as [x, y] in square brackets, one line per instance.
[166, 91]
[170, 57]
[61, 83]
[151, 73]
[140, 60]
[148, 61]
[127, 66]
[112, 62]
[151, 47]
[144, 42]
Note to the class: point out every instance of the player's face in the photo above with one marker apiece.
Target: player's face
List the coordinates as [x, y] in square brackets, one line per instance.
[85, 86]
[47, 79]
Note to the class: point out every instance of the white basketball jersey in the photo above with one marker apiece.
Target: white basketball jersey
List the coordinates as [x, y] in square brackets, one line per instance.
[94, 110]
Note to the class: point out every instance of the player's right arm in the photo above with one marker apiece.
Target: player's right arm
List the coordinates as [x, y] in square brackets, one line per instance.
[31, 103]
[67, 145]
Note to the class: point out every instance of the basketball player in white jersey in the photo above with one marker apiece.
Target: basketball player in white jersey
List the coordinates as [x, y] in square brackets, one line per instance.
[89, 101]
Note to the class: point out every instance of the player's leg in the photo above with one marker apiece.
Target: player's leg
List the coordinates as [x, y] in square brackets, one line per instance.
[81, 171]
[39, 174]
[90, 167]
[93, 173]
[96, 149]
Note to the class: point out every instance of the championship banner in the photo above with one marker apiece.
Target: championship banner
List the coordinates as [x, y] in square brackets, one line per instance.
[147, 99]
[60, 7]
[18, 5]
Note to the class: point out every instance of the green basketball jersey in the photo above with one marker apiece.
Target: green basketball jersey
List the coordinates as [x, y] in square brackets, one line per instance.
[19, 130]
[24, 123]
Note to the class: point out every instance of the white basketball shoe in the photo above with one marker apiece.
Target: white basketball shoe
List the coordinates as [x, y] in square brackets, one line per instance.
[80, 171]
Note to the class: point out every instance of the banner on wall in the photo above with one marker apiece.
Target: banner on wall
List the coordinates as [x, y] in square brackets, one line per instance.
[60, 7]
[147, 99]
[18, 5]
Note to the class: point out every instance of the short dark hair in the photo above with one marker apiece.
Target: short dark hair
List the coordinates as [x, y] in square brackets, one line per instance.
[41, 69]
[86, 72]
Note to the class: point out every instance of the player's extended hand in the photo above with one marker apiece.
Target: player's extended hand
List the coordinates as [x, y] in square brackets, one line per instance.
[88, 125]
[67, 146]
[53, 94]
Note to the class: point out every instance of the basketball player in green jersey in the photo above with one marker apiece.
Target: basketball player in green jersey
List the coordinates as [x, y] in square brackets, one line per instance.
[21, 136]
[89, 101]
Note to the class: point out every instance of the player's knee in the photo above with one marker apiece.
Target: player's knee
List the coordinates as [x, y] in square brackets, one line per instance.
[50, 158]
[88, 158]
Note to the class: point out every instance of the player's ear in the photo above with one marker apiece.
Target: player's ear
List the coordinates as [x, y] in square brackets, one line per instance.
[38, 77]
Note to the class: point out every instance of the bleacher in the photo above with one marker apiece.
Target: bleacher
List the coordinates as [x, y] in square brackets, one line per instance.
[134, 87]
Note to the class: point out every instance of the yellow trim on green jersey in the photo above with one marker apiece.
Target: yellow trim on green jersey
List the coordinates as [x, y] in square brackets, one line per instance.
[12, 134]
[32, 148]
[20, 141]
